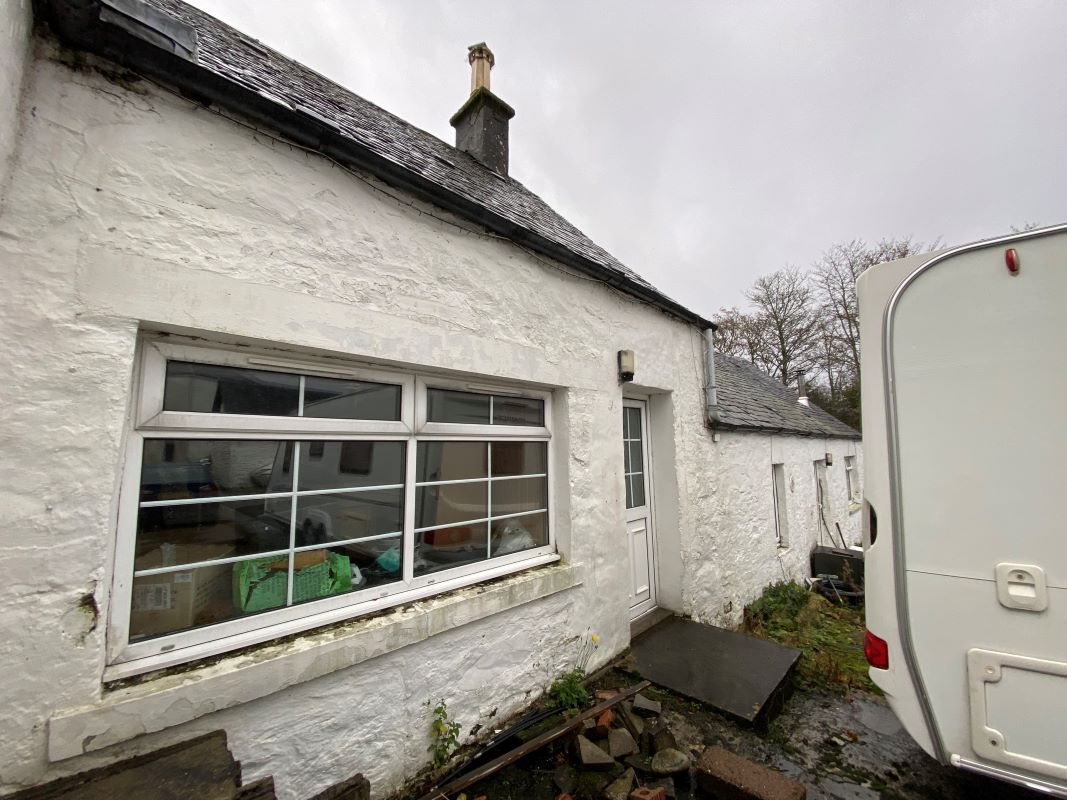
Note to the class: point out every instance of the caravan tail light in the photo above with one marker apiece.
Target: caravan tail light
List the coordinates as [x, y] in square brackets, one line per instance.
[876, 650]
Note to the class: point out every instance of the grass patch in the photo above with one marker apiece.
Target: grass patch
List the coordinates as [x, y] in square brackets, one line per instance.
[829, 636]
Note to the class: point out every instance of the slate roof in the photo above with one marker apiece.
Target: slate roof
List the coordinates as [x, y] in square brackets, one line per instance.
[244, 61]
[750, 399]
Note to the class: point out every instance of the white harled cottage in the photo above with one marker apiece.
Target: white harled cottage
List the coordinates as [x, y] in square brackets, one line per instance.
[312, 418]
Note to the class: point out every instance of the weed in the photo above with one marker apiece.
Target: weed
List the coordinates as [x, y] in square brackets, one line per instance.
[830, 637]
[444, 735]
[567, 690]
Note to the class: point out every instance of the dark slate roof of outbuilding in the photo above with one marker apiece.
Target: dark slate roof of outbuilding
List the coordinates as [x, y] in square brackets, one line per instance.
[750, 399]
[236, 57]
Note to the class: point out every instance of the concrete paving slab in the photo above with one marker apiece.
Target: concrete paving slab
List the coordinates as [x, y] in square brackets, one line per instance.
[740, 675]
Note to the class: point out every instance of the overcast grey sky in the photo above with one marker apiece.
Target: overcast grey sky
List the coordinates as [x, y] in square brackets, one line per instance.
[705, 143]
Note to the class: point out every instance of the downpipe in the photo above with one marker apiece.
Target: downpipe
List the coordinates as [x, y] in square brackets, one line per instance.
[711, 392]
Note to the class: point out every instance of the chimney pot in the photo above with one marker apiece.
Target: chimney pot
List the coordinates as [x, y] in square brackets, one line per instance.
[480, 57]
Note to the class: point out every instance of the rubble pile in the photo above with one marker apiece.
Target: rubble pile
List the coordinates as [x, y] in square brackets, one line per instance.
[625, 753]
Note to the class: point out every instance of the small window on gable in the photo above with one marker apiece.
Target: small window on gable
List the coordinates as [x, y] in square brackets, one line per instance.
[781, 516]
[852, 478]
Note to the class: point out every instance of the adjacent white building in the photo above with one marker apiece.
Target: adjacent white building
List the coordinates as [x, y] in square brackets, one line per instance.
[312, 419]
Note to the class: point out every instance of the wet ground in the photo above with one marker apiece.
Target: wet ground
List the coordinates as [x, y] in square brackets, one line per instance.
[840, 748]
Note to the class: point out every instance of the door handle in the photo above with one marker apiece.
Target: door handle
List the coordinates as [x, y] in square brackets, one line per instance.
[1022, 587]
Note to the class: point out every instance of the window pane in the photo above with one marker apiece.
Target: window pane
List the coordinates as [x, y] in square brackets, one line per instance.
[174, 469]
[518, 534]
[453, 502]
[177, 601]
[328, 572]
[518, 411]
[637, 491]
[451, 461]
[325, 518]
[519, 458]
[520, 494]
[229, 390]
[343, 399]
[372, 563]
[460, 407]
[449, 547]
[191, 532]
[351, 465]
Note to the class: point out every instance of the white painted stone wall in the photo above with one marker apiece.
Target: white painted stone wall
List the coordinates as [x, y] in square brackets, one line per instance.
[133, 208]
[15, 27]
[732, 551]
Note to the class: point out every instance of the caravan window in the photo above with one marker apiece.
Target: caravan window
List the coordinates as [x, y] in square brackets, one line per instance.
[264, 494]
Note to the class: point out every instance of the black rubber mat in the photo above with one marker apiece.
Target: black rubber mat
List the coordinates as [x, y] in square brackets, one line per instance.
[740, 675]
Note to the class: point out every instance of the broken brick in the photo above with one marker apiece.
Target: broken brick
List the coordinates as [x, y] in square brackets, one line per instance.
[591, 756]
[646, 793]
[604, 722]
[646, 707]
[722, 774]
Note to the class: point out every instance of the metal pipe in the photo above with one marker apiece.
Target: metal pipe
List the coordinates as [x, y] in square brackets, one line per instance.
[711, 391]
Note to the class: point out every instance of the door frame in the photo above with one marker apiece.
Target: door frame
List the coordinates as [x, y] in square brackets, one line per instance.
[645, 606]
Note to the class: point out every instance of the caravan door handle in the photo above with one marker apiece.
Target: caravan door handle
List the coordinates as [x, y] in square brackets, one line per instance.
[1022, 587]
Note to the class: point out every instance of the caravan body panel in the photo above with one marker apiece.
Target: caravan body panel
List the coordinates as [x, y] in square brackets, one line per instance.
[970, 556]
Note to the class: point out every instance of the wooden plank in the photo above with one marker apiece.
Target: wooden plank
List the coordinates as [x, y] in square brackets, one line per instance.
[202, 768]
[484, 771]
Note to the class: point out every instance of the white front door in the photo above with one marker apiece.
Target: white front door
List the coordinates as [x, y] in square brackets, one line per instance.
[638, 508]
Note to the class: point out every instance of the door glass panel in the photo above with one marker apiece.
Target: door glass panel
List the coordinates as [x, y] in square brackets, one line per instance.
[633, 458]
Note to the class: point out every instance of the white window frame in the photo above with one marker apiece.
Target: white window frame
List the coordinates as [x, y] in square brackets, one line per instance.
[150, 421]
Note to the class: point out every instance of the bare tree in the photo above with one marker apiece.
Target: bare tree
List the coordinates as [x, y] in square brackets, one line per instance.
[834, 276]
[786, 312]
[738, 334]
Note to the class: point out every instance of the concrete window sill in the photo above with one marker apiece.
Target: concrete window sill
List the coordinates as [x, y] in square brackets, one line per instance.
[173, 699]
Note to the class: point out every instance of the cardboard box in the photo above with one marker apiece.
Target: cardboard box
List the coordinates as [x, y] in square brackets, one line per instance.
[174, 601]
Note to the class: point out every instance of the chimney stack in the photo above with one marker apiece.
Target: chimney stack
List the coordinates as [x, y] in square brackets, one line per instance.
[802, 388]
[482, 122]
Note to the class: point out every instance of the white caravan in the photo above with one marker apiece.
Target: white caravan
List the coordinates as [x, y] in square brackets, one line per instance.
[965, 441]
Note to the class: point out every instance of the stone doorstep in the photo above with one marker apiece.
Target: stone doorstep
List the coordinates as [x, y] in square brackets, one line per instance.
[730, 777]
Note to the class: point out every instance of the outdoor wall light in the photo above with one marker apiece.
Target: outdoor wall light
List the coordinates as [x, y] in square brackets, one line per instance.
[829, 459]
[626, 366]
